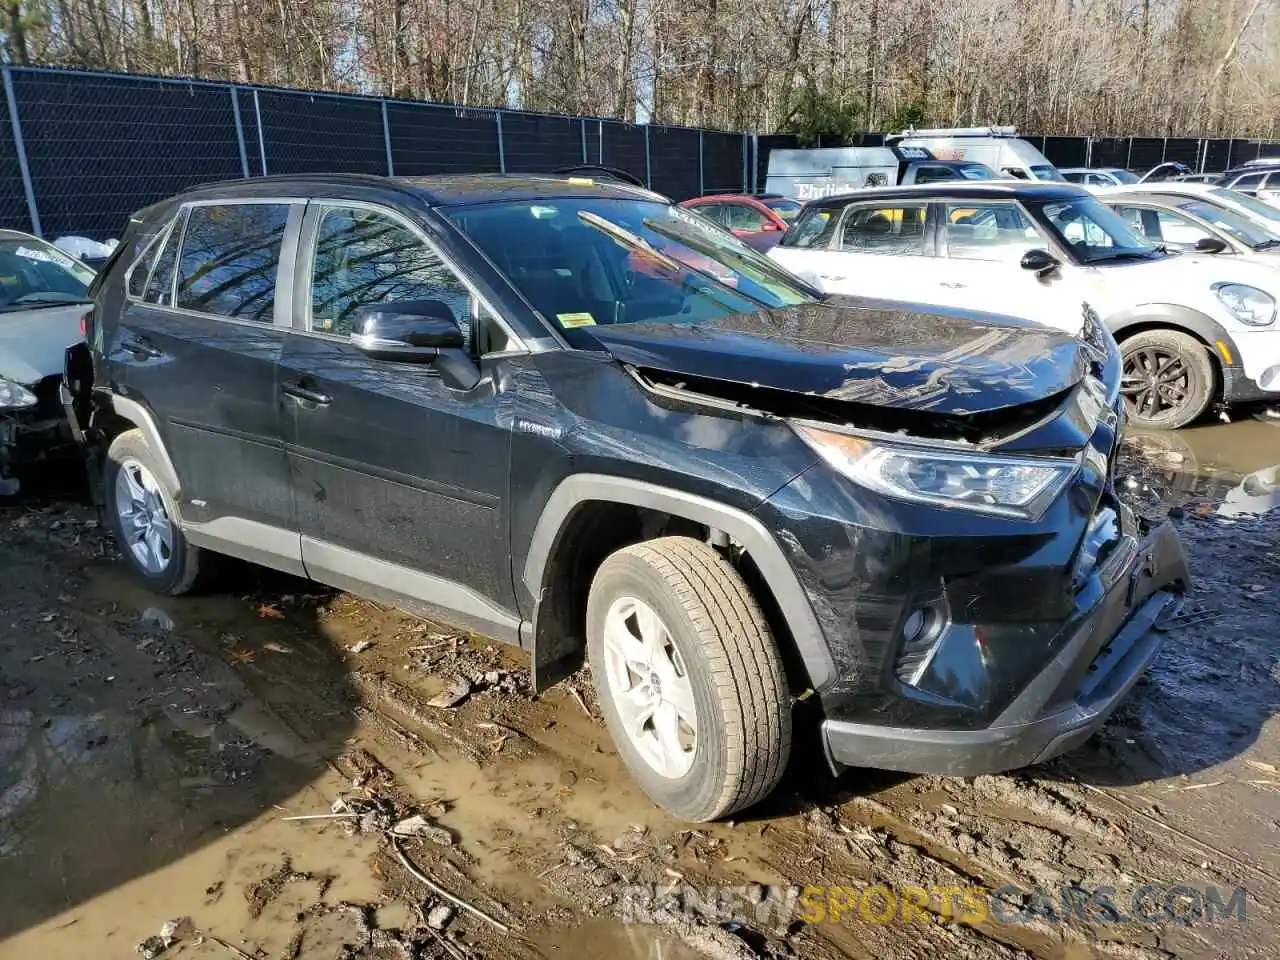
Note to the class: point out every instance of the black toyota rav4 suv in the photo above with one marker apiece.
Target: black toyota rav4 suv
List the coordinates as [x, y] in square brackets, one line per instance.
[574, 417]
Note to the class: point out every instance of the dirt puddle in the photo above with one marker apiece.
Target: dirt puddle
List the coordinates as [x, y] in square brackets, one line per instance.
[151, 753]
[1235, 467]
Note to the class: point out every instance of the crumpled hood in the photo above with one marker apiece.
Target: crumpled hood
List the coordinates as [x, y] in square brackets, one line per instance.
[33, 342]
[866, 351]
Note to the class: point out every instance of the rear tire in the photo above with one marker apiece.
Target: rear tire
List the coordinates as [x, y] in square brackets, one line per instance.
[717, 733]
[141, 516]
[1168, 379]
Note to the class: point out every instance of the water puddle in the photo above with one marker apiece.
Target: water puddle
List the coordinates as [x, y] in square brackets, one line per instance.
[1234, 467]
[613, 939]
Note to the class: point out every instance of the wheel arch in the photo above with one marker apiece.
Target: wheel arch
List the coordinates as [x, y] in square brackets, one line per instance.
[114, 414]
[1171, 316]
[555, 563]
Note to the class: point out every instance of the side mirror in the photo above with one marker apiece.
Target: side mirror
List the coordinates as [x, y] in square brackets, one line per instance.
[1041, 261]
[413, 331]
[1210, 245]
[770, 227]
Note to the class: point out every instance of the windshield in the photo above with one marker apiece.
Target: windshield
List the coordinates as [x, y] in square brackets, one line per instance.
[1255, 206]
[1235, 224]
[37, 274]
[587, 261]
[1124, 176]
[1093, 231]
[976, 171]
[1046, 172]
[786, 209]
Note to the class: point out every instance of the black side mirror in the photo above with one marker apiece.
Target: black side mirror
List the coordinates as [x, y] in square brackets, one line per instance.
[1210, 245]
[1041, 261]
[413, 331]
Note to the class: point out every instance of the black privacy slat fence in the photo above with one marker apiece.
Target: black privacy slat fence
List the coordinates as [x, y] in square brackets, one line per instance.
[82, 150]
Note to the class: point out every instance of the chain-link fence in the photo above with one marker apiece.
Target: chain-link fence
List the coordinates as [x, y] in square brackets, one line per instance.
[80, 150]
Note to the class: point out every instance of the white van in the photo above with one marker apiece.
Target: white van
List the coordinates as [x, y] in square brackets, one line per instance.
[816, 173]
[997, 147]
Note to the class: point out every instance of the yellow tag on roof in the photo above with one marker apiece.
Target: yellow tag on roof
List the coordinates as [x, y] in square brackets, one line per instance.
[582, 181]
[571, 320]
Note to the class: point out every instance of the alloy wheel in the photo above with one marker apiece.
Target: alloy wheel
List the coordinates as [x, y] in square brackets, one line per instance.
[650, 687]
[1154, 381]
[144, 521]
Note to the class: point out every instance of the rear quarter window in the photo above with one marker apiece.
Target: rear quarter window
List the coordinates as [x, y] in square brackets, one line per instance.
[812, 228]
[230, 256]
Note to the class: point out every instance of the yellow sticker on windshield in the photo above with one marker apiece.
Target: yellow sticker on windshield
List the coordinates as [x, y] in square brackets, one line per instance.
[571, 320]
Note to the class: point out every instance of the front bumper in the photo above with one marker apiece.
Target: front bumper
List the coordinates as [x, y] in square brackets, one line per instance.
[1067, 701]
[1259, 357]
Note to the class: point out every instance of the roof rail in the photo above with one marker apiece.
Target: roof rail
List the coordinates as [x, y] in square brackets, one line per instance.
[959, 132]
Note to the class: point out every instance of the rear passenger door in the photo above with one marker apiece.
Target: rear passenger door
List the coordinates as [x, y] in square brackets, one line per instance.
[879, 250]
[199, 341]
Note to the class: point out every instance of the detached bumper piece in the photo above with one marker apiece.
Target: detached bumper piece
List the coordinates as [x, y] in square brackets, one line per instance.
[1067, 702]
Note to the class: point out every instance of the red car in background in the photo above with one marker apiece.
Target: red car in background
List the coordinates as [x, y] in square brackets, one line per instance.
[759, 220]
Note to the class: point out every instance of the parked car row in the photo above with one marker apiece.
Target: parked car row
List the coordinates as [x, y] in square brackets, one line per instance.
[572, 416]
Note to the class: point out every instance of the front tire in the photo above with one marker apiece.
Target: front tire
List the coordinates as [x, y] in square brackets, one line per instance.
[1168, 379]
[689, 677]
[141, 516]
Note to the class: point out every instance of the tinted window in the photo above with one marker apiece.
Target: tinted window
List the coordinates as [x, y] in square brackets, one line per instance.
[160, 286]
[988, 231]
[884, 229]
[363, 256]
[139, 272]
[229, 258]
[936, 174]
[1077, 176]
[1246, 182]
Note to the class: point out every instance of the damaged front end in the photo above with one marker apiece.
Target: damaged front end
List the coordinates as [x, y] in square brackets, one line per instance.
[31, 428]
[986, 597]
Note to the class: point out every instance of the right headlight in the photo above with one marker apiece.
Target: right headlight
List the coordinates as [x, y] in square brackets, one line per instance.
[1249, 305]
[14, 396]
[1018, 487]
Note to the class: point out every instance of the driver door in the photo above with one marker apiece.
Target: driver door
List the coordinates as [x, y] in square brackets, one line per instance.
[399, 479]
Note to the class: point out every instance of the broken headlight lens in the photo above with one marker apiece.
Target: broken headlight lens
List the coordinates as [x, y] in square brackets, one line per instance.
[14, 396]
[1017, 487]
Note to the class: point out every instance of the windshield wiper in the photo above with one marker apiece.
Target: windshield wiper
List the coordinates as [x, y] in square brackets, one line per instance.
[1267, 244]
[1125, 255]
[45, 302]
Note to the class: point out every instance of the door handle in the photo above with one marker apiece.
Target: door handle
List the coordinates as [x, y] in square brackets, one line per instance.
[142, 348]
[952, 286]
[298, 390]
[831, 276]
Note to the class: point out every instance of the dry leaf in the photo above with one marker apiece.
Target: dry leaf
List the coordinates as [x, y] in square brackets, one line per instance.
[1264, 767]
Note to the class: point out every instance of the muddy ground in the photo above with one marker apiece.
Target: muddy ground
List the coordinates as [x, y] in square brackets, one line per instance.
[155, 756]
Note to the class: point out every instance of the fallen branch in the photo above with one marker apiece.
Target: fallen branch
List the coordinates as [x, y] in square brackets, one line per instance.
[582, 703]
[230, 946]
[323, 816]
[441, 891]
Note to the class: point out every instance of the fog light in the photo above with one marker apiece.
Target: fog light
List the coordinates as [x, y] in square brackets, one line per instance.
[921, 632]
